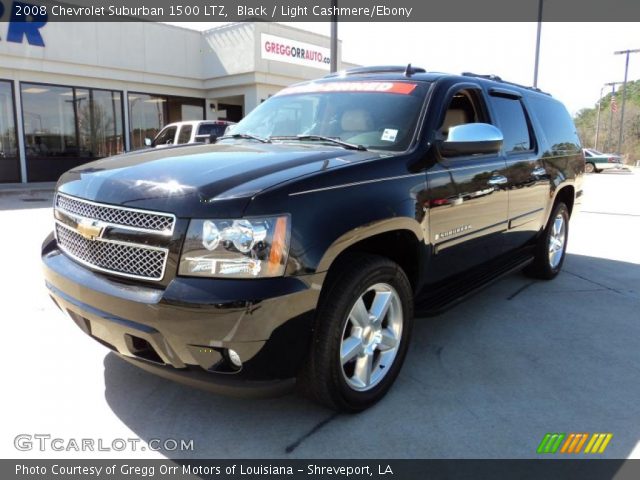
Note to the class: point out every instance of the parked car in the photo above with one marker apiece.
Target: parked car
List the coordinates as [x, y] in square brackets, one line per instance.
[596, 162]
[300, 247]
[197, 131]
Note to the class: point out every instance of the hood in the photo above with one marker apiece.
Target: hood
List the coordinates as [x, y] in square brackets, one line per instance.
[200, 180]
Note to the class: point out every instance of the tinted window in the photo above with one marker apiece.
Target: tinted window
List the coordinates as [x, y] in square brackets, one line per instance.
[556, 123]
[209, 128]
[185, 134]
[165, 137]
[513, 124]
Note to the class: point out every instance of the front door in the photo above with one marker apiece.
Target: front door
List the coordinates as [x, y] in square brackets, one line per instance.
[468, 200]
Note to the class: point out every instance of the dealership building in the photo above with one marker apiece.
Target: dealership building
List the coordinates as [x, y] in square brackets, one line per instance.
[73, 92]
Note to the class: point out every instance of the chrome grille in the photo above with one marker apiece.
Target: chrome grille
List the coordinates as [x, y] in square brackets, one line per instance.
[136, 261]
[154, 222]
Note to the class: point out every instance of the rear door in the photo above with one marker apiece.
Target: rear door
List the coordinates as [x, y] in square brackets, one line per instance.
[468, 200]
[528, 182]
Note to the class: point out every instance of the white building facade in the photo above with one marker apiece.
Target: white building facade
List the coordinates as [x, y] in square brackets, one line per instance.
[74, 92]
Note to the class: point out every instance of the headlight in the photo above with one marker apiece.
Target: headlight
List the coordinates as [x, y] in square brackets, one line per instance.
[244, 248]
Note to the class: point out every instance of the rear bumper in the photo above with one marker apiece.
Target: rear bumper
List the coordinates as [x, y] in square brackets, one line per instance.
[183, 332]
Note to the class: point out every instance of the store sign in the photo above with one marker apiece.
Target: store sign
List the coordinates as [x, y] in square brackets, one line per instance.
[294, 52]
[25, 23]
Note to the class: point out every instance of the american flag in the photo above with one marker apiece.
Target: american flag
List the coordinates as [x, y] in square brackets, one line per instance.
[614, 104]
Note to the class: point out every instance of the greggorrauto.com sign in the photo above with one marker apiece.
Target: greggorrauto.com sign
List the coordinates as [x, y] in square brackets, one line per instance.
[291, 51]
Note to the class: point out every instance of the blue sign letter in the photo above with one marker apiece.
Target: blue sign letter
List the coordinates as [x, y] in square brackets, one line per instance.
[26, 26]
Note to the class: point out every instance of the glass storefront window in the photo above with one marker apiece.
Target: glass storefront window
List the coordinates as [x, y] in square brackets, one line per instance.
[149, 113]
[9, 161]
[100, 122]
[67, 126]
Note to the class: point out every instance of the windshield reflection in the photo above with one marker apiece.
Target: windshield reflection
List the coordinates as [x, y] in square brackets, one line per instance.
[374, 115]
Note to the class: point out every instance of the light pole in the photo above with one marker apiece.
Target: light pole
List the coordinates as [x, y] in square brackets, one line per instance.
[334, 36]
[598, 118]
[613, 92]
[613, 85]
[537, 59]
[624, 91]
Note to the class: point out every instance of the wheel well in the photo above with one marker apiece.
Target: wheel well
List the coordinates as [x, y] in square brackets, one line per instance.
[400, 246]
[567, 195]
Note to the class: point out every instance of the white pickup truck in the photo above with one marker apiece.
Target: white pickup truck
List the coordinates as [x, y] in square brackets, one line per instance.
[196, 131]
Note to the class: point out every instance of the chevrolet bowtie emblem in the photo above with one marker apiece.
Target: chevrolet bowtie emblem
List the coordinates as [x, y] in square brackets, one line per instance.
[90, 229]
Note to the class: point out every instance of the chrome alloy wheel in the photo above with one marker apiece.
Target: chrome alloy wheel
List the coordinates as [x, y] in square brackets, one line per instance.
[371, 337]
[557, 239]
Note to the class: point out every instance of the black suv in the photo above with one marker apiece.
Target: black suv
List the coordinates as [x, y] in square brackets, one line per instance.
[301, 244]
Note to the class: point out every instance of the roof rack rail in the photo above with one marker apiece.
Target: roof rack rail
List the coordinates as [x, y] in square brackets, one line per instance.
[496, 78]
[407, 70]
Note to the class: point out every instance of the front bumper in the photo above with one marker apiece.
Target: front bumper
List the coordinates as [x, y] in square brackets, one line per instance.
[184, 331]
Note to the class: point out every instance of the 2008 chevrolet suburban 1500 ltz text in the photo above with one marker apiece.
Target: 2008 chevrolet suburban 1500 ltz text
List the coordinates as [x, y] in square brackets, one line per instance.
[300, 245]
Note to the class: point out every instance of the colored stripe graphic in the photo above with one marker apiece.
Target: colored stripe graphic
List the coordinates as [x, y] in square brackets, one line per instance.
[551, 442]
[573, 443]
[598, 443]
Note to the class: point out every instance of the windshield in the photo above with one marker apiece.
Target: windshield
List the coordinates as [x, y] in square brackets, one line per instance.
[376, 115]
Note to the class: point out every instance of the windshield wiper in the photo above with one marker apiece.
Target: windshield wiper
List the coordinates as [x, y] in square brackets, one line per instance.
[246, 136]
[322, 138]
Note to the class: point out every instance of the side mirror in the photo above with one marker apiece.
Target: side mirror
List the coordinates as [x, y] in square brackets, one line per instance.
[471, 139]
[213, 138]
[147, 142]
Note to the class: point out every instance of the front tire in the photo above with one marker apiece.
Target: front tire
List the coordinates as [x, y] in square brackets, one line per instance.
[590, 168]
[362, 330]
[552, 245]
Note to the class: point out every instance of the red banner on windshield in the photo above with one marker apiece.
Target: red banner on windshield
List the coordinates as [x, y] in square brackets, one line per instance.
[402, 88]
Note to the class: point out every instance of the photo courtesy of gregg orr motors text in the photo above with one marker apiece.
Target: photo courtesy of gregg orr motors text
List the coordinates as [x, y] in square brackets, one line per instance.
[26, 442]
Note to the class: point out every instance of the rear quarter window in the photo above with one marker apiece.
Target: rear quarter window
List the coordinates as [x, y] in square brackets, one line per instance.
[557, 125]
[209, 128]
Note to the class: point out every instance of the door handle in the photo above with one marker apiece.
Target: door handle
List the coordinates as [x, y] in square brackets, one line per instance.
[539, 172]
[497, 180]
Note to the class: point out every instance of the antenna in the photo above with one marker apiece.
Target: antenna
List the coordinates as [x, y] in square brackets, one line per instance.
[409, 71]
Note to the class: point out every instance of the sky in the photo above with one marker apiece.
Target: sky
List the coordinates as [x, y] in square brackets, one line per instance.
[576, 59]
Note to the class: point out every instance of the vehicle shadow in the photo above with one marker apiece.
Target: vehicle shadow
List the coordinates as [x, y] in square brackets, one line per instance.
[521, 359]
[221, 427]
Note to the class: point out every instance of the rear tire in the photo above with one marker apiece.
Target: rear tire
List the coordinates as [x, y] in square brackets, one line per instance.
[551, 247]
[362, 329]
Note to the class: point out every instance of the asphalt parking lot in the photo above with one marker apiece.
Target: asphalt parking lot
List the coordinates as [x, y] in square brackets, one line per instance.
[487, 379]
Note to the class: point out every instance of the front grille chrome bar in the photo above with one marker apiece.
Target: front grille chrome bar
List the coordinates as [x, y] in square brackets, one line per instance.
[84, 237]
[141, 262]
[123, 217]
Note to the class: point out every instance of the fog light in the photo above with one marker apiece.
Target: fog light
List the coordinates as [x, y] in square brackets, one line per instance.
[234, 358]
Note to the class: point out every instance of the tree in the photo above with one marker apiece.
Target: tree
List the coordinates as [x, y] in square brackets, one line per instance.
[585, 121]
